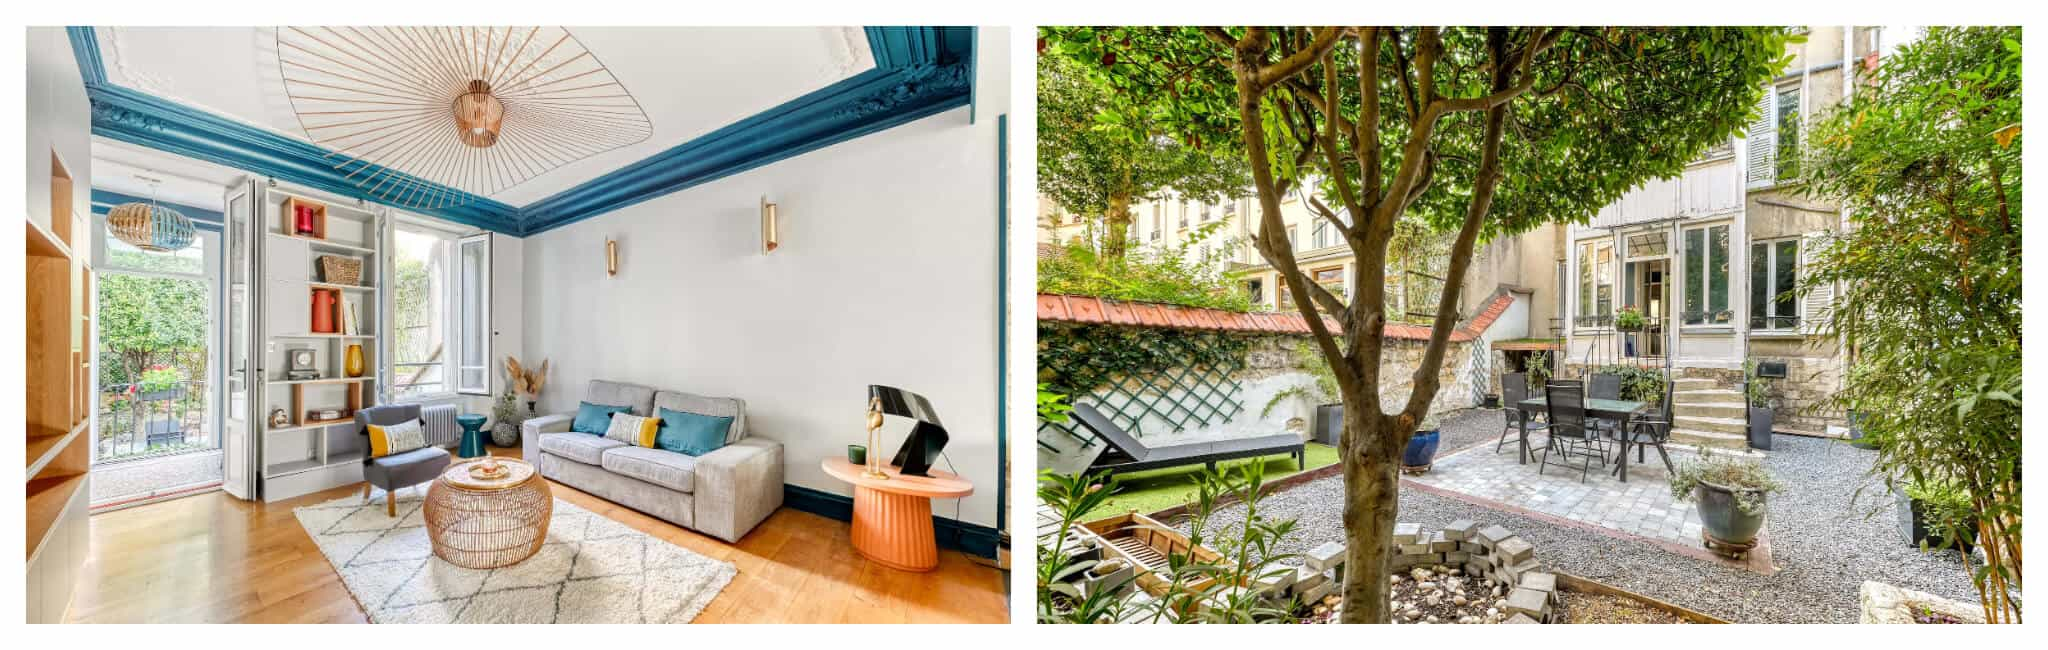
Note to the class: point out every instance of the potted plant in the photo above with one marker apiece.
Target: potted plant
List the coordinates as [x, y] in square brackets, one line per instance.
[159, 383]
[1629, 319]
[1538, 367]
[1730, 495]
[506, 420]
[1756, 391]
[1936, 514]
[1422, 446]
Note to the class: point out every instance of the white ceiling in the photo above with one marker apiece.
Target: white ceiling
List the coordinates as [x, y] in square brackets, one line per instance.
[689, 80]
[184, 181]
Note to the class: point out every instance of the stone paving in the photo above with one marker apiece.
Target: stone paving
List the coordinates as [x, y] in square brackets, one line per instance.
[1643, 506]
[138, 479]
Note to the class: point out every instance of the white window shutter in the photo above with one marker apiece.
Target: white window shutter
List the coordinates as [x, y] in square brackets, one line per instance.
[472, 336]
[1763, 141]
[1814, 304]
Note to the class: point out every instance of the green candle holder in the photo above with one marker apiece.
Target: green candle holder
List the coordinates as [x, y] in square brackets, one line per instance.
[857, 454]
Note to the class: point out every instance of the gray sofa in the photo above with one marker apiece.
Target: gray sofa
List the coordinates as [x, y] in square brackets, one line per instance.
[723, 494]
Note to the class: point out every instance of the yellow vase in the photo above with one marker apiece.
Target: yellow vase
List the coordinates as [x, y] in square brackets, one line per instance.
[354, 365]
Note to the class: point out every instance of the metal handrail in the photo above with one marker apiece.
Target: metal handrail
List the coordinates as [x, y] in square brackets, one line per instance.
[134, 423]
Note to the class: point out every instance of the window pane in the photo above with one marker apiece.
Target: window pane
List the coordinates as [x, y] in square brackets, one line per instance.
[1787, 262]
[1788, 132]
[190, 259]
[1717, 274]
[1586, 307]
[475, 322]
[419, 304]
[1759, 285]
[1695, 276]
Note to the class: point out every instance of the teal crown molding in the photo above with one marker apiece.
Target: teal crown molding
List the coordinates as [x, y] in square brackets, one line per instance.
[919, 72]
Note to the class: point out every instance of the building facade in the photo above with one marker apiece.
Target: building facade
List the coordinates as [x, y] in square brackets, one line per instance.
[1708, 258]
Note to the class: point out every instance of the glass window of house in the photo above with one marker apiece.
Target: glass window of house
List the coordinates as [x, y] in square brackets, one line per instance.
[1773, 274]
[1706, 276]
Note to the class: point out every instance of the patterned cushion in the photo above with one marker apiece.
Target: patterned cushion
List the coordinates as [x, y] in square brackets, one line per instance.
[632, 429]
[667, 469]
[398, 438]
[586, 449]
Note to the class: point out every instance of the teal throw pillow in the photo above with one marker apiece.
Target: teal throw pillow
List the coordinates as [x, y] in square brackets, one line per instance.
[692, 434]
[595, 418]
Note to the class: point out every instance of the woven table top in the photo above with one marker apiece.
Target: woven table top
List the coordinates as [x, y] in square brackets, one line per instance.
[517, 473]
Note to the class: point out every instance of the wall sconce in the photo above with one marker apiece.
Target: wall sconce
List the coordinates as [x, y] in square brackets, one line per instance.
[771, 230]
[611, 257]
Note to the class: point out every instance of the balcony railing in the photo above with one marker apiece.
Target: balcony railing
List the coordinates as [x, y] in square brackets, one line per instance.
[140, 422]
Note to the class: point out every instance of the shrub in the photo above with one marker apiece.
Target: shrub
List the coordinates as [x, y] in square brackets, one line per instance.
[1182, 275]
[1747, 478]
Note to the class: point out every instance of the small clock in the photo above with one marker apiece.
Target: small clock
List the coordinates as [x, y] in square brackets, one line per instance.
[299, 364]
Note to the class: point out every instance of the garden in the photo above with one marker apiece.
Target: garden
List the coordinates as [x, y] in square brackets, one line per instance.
[1910, 515]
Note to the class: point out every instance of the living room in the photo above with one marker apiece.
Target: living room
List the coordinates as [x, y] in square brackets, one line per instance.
[516, 325]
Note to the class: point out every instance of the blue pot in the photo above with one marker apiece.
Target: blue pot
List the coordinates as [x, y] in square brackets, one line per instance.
[1421, 449]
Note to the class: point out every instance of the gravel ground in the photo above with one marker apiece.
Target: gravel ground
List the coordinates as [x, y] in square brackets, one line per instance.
[1823, 543]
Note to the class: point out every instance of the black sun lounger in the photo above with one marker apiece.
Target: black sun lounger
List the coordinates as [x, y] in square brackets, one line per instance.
[1126, 454]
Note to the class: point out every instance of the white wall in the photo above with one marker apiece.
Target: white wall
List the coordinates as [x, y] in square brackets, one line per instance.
[59, 122]
[886, 275]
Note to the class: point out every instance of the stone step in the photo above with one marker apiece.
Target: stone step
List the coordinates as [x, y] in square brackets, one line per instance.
[1735, 426]
[1694, 383]
[1711, 396]
[1711, 409]
[1713, 439]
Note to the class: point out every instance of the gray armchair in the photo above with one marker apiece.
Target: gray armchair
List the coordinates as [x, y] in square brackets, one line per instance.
[401, 469]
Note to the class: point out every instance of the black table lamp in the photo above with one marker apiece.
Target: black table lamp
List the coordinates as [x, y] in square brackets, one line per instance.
[927, 437]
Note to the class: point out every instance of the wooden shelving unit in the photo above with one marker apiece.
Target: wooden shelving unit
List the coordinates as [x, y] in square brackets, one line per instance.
[308, 454]
[58, 379]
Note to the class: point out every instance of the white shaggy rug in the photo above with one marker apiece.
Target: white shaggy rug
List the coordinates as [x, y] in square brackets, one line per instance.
[591, 570]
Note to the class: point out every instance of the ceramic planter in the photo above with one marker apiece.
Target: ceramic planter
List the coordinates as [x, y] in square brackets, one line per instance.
[1328, 427]
[1421, 449]
[1761, 420]
[1916, 524]
[1721, 519]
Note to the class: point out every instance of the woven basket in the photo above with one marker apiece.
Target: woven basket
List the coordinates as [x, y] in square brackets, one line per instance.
[336, 269]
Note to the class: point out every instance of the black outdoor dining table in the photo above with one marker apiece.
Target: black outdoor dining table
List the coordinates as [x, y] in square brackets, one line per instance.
[1619, 410]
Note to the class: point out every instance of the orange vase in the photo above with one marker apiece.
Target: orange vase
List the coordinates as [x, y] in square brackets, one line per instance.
[353, 366]
[323, 311]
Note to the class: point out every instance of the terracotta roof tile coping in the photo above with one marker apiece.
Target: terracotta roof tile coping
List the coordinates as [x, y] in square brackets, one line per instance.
[1093, 310]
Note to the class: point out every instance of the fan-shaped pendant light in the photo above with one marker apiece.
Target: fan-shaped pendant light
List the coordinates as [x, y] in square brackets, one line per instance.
[430, 117]
[150, 226]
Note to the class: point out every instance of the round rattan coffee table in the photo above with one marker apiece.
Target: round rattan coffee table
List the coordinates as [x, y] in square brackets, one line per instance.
[488, 521]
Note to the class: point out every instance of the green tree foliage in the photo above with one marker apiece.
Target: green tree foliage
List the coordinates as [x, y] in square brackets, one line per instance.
[1926, 157]
[1484, 132]
[1097, 158]
[146, 321]
[1181, 275]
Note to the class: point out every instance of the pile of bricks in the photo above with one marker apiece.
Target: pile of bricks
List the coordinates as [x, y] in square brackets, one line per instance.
[1490, 552]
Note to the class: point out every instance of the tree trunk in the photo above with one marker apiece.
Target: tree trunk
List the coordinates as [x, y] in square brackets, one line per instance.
[1116, 222]
[1372, 491]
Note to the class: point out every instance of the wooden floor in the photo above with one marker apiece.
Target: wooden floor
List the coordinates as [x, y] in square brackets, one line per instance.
[214, 559]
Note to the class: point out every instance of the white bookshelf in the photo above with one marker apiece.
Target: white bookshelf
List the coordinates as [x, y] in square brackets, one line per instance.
[308, 454]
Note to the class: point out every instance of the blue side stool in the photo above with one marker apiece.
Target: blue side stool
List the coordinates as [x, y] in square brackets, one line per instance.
[472, 435]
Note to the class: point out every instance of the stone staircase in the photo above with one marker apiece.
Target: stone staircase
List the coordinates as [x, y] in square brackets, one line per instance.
[1709, 416]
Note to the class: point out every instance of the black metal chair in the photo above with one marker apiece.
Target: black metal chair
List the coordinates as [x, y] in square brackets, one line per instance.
[1603, 385]
[1570, 432]
[1514, 387]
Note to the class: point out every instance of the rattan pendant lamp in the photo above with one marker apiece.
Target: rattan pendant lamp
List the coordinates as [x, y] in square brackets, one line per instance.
[150, 226]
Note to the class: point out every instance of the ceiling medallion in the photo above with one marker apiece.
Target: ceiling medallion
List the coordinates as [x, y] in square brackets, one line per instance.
[432, 117]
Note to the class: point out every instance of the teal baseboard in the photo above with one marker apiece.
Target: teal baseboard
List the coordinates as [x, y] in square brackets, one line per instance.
[972, 539]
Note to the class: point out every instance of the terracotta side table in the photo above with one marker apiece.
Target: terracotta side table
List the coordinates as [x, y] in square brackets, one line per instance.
[892, 519]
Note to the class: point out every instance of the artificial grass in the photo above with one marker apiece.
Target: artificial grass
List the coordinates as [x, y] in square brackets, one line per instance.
[1154, 490]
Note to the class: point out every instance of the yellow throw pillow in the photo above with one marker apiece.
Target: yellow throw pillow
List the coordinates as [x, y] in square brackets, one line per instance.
[398, 438]
[635, 430]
